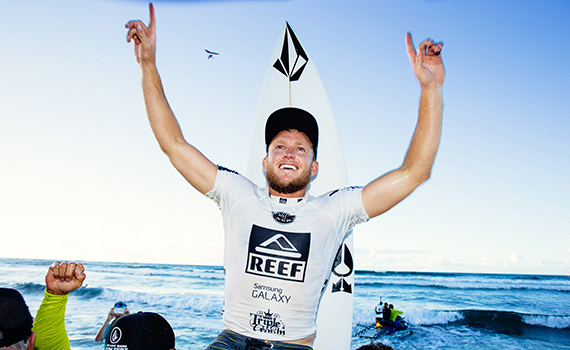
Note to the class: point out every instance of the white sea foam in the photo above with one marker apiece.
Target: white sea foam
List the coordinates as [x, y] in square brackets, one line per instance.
[559, 322]
[465, 282]
[413, 315]
[191, 303]
[191, 298]
[418, 316]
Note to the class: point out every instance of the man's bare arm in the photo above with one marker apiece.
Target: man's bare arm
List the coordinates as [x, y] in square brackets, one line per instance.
[193, 165]
[388, 190]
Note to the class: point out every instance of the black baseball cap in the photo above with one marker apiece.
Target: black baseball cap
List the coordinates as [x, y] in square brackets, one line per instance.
[140, 331]
[291, 118]
[15, 318]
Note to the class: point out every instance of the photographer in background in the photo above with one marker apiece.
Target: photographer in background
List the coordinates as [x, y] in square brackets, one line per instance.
[120, 309]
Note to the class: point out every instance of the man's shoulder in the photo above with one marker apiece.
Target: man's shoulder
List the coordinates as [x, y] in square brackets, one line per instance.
[231, 181]
[340, 197]
[340, 191]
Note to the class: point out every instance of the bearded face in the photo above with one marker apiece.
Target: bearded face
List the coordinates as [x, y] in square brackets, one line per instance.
[289, 164]
[292, 186]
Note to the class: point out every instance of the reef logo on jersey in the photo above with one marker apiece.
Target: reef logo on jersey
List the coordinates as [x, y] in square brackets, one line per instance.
[278, 254]
[267, 322]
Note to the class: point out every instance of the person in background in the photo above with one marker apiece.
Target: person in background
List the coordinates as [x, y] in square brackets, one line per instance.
[395, 316]
[15, 321]
[383, 311]
[47, 332]
[378, 308]
[375, 346]
[386, 312]
[143, 330]
[120, 309]
[394, 313]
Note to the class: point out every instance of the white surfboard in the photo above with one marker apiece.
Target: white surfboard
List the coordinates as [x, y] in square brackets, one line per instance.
[292, 81]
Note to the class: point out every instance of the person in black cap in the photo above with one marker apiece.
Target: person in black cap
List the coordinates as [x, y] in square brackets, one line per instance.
[375, 346]
[15, 321]
[280, 242]
[140, 331]
[118, 310]
[48, 329]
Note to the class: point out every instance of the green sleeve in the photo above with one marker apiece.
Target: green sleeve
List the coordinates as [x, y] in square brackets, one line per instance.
[49, 324]
[395, 314]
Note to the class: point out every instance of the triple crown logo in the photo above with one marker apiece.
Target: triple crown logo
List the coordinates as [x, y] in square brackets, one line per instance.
[266, 322]
[293, 59]
[278, 254]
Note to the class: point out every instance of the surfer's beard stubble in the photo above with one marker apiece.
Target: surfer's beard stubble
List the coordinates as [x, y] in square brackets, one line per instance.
[293, 186]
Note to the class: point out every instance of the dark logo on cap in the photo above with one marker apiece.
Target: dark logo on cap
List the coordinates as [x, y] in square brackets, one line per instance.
[293, 59]
[283, 217]
[115, 335]
[343, 267]
[278, 254]
[267, 322]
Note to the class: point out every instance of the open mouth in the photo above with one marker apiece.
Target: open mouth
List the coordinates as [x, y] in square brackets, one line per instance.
[287, 167]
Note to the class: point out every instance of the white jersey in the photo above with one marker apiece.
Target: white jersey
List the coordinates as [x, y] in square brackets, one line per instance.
[278, 254]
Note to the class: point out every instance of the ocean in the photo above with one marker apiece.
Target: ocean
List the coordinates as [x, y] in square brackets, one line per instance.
[446, 310]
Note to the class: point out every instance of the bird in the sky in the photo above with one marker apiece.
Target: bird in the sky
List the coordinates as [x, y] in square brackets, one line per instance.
[211, 53]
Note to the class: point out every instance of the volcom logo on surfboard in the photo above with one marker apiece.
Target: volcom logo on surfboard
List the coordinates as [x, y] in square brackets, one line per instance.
[293, 59]
[278, 254]
[342, 267]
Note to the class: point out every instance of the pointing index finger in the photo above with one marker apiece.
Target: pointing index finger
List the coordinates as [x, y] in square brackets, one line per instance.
[410, 48]
[152, 22]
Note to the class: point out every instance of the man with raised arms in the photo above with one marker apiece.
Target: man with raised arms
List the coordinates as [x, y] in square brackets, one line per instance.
[280, 242]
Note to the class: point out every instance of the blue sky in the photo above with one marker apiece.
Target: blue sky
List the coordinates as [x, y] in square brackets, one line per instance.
[82, 177]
